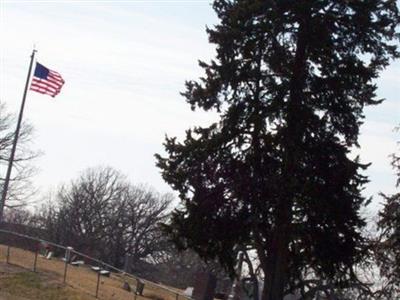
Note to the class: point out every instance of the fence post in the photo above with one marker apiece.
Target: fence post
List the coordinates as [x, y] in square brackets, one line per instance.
[98, 283]
[177, 296]
[35, 260]
[67, 258]
[8, 254]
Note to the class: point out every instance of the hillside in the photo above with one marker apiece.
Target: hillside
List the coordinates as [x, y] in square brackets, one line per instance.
[18, 282]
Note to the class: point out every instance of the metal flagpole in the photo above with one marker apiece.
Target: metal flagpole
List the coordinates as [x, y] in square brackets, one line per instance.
[14, 146]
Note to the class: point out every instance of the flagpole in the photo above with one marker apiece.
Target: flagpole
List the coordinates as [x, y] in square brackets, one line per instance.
[14, 146]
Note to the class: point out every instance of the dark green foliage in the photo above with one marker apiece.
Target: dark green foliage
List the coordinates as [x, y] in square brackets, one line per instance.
[389, 248]
[290, 81]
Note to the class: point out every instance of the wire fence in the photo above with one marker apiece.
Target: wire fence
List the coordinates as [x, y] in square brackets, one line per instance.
[79, 270]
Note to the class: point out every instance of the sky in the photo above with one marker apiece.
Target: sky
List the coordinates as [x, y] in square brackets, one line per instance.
[125, 64]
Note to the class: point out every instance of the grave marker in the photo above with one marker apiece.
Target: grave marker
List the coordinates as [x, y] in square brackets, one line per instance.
[204, 288]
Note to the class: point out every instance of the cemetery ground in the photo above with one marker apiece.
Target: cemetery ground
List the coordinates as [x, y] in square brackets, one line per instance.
[19, 282]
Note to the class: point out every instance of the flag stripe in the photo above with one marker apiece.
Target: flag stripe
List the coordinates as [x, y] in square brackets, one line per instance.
[44, 88]
[41, 87]
[51, 78]
[55, 74]
[46, 82]
[41, 84]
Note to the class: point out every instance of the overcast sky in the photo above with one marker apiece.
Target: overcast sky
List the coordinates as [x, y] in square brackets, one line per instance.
[124, 63]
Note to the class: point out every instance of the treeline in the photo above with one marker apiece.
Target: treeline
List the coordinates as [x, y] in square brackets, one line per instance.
[105, 216]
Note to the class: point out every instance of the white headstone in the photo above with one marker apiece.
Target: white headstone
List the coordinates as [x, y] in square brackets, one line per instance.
[188, 292]
[49, 255]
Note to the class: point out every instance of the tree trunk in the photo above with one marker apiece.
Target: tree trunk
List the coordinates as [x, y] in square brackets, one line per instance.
[277, 263]
[278, 250]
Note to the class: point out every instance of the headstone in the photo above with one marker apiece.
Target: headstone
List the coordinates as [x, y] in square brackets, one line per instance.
[204, 288]
[74, 257]
[49, 255]
[105, 273]
[77, 263]
[126, 287]
[139, 287]
[236, 291]
[188, 291]
[46, 248]
[128, 263]
[248, 289]
[43, 249]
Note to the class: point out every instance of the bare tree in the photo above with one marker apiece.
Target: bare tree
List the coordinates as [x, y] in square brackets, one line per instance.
[104, 215]
[135, 224]
[85, 206]
[18, 216]
[20, 188]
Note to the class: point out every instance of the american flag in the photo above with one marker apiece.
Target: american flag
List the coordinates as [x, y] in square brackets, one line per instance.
[46, 81]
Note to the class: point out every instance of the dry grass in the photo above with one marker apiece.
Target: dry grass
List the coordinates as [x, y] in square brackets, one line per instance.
[83, 279]
[19, 284]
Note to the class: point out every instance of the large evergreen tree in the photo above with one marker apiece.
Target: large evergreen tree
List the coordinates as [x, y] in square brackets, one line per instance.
[290, 81]
[388, 253]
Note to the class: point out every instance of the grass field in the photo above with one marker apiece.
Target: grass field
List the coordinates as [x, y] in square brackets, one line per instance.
[46, 283]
